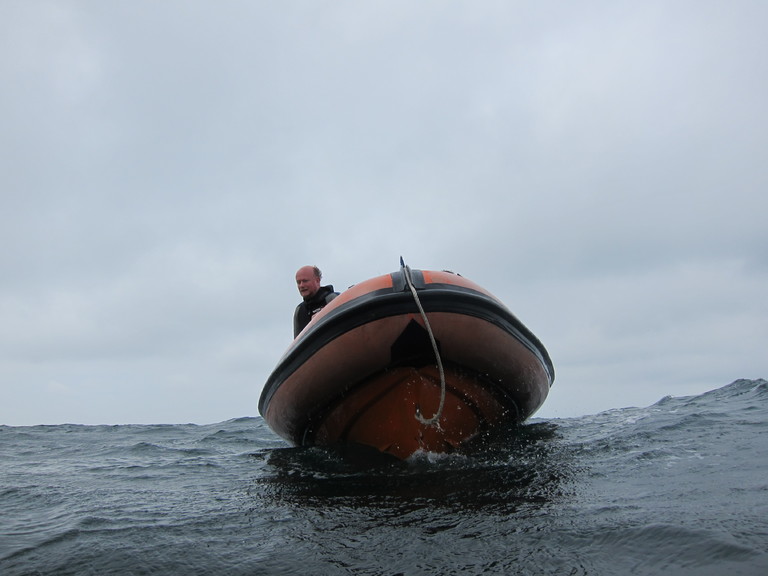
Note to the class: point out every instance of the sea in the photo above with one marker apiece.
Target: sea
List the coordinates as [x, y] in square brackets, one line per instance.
[679, 487]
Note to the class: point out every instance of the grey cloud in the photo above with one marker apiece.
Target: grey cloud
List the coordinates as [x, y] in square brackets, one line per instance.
[166, 168]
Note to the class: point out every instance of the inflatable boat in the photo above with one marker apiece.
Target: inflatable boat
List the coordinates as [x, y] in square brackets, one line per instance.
[415, 360]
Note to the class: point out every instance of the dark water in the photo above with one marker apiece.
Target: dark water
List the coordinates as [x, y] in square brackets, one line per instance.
[680, 487]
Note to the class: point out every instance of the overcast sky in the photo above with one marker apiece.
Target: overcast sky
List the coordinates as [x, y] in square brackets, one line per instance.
[165, 167]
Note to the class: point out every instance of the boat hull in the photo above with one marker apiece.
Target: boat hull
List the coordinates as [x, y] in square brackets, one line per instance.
[364, 371]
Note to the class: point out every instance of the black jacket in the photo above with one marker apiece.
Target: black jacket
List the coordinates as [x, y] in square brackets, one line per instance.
[309, 308]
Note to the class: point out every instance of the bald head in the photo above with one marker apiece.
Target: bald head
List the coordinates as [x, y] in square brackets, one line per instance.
[308, 281]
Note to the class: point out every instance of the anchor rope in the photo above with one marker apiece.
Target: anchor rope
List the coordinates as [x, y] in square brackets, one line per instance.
[436, 417]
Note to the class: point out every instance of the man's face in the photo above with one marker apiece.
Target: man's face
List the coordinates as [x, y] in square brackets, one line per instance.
[307, 282]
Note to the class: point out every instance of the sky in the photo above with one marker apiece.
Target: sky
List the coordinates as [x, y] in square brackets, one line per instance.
[166, 167]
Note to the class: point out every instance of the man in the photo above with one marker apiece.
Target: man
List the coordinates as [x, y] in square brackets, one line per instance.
[314, 295]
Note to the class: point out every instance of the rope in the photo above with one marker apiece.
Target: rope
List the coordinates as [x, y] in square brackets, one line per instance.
[434, 420]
